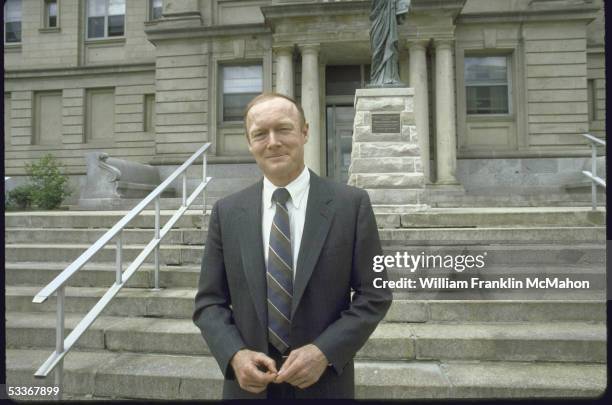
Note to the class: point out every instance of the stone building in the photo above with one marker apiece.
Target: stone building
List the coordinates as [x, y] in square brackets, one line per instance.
[503, 88]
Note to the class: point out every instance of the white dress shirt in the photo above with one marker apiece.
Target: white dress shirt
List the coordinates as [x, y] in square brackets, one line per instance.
[296, 205]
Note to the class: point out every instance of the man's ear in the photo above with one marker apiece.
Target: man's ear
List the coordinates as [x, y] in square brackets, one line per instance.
[305, 132]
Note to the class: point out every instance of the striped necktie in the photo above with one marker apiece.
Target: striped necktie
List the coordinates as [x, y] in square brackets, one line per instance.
[279, 274]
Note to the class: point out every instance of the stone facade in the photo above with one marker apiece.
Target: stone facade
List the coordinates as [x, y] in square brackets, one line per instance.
[155, 94]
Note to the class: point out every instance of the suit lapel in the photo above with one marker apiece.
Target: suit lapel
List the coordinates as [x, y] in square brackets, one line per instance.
[251, 250]
[319, 213]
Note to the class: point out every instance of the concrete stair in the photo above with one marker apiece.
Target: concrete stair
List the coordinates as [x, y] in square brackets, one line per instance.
[432, 344]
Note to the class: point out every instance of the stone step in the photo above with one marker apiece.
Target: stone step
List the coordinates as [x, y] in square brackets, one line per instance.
[558, 342]
[560, 201]
[520, 235]
[193, 218]
[100, 275]
[46, 252]
[167, 203]
[103, 274]
[497, 254]
[389, 216]
[187, 236]
[577, 254]
[178, 303]
[174, 377]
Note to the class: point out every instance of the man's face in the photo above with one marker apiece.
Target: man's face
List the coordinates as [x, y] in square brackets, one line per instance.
[276, 139]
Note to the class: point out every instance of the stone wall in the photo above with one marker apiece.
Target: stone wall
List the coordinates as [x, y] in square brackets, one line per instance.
[514, 175]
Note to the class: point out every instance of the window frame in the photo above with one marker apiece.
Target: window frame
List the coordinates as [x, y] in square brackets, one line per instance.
[257, 62]
[13, 43]
[148, 117]
[37, 118]
[88, 105]
[509, 84]
[47, 15]
[150, 11]
[44, 17]
[106, 15]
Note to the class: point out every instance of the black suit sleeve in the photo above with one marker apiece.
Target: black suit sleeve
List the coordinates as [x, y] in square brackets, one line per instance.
[343, 338]
[212, 313]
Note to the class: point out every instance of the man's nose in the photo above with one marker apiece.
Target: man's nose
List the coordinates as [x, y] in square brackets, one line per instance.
[273, 139]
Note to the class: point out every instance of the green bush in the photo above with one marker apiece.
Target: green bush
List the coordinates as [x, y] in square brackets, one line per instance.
[20, 197]
[49, 185]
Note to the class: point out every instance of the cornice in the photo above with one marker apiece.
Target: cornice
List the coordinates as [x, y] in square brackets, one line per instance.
[160, 33]
[567, 13]
[313, 9]
[67, 71]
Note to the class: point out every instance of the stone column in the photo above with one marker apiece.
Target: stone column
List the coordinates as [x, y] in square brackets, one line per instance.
[418, 81]
[446, 140]
[310, 104]
[284, 70]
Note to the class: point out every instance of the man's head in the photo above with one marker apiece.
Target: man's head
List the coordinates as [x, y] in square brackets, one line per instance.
[276, 132]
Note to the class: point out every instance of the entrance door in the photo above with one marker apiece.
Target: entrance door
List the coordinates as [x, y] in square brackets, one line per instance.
[341, 82]
[339, 141]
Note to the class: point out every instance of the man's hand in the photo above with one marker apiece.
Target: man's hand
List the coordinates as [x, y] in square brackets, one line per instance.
[303, 367]
[248, 366]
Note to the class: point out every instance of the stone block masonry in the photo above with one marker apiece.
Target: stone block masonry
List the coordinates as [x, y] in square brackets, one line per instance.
[386, 159]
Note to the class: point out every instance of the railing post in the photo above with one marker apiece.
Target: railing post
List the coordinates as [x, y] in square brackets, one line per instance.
[185, 187]
[59, 341]
[157, 225]
[119, 258]
[594, 173]
[203, 181]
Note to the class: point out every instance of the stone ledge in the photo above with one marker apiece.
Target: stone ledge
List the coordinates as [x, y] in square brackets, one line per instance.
[386, 149]
[387, 165]
[395, 196]
[385, 92]
[388, 180]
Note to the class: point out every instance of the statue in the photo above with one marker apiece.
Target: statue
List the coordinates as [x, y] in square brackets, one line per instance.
[385, 15]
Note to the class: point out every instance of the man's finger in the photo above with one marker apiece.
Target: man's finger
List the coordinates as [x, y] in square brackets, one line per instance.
[290, 359]
[288, 371]
[255, 376]
[293, 355]
[268, 362]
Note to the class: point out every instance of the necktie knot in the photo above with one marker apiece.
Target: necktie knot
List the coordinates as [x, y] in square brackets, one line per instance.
[281, 195]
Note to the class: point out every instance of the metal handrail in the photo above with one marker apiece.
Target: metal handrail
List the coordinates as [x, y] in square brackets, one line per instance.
[592, 175]
[58, 285]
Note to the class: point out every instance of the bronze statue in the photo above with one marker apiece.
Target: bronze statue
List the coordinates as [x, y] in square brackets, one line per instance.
[385, 15]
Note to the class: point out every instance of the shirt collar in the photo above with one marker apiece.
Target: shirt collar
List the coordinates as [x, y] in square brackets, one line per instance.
[297, 188]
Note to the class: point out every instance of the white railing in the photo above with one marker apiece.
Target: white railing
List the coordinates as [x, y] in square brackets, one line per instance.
[595, 180]
[58, 285]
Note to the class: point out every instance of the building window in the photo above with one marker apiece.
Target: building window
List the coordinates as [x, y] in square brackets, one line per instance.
[345, 79]
[105, 18]
[592, 99]
[51, 14]
[240, 85]
[487, 84]
[12, 21]
[100, 114]
[48, 118]
[149, 113]
[155, 9]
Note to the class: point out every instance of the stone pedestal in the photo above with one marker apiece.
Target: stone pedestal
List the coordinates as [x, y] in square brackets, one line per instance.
[386, 157]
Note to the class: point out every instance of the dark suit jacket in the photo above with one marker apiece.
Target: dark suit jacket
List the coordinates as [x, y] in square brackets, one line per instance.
[339, 240]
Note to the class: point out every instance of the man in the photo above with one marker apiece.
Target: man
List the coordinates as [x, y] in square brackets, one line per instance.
[281, 258]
